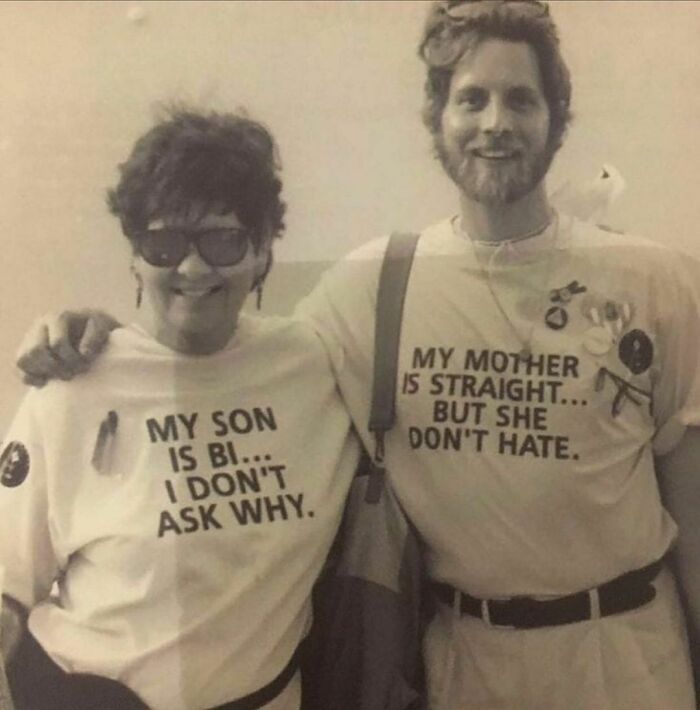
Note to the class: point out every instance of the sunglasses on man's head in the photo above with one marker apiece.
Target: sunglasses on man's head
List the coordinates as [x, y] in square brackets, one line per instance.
[441, 47]
[169, 246]
[461, 9]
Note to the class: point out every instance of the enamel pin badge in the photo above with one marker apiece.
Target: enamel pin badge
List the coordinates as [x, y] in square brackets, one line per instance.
[14, 464]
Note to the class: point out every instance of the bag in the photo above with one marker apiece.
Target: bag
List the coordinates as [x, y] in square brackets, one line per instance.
[37, 682]
[364, 651]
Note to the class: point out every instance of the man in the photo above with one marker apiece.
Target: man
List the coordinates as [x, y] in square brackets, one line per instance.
[543, 365]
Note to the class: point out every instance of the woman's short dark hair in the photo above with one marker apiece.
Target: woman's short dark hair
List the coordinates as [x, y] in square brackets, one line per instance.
[211, 162]
[506, 22]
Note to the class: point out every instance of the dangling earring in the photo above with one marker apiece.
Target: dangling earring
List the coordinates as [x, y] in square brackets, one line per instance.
[139, 291]
[260, 280]
[258, 294]
[139, 284]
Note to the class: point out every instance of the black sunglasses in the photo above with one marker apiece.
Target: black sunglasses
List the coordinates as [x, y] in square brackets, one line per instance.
[169, 246]
[441, 47]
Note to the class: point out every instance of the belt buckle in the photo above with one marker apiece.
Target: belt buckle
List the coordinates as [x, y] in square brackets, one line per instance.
[520, 608]
[593, 604]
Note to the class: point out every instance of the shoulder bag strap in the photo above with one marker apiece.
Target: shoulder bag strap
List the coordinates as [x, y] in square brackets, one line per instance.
[391, 292]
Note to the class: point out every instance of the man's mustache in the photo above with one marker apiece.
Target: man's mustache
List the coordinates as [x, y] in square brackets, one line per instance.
[496, 145]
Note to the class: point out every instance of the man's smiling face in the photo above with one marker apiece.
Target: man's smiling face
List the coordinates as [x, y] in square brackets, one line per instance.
[494, 133]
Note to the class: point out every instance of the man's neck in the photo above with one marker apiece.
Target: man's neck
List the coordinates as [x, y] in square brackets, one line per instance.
[502, 222]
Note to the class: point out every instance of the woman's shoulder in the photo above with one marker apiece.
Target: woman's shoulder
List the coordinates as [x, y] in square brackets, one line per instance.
[125, 348]
[291, 342]
[265, 330]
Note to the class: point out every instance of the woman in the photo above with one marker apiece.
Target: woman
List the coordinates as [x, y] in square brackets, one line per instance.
[204, 490]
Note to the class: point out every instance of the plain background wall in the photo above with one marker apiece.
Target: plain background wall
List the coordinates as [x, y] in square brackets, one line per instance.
[340, 85]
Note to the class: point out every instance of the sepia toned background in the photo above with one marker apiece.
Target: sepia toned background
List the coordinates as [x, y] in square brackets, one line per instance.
[340, 85]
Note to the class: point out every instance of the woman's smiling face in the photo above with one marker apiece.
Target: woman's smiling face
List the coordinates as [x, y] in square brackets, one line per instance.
[193, 306]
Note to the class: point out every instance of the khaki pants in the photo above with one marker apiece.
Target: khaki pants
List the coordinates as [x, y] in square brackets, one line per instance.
[637, 660]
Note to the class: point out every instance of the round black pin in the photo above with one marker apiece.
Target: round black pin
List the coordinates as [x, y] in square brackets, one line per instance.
[14, 464]
[636, 351]
[556, 318]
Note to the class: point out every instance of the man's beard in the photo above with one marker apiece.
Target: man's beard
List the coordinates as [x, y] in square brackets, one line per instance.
[491, 182]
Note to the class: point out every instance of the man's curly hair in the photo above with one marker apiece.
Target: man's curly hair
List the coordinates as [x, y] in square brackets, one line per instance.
[506, 23]
[209, 162]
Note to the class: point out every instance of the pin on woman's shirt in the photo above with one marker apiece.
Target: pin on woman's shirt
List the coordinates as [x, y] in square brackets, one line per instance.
[104, 445]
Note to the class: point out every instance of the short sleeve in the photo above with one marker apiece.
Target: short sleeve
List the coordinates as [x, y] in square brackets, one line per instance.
[27, 560]
[677, 387]
[341, 307]
[318, 311]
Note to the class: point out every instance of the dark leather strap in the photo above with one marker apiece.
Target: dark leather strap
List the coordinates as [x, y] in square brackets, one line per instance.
[268, 692]
[624, 593]
[391, 292]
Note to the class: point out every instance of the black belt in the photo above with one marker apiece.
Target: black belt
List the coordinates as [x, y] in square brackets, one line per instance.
[624, 593]
[267, 693]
